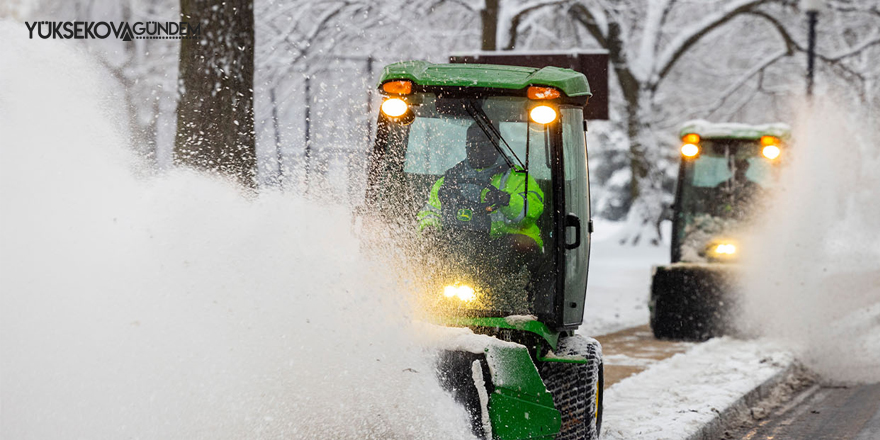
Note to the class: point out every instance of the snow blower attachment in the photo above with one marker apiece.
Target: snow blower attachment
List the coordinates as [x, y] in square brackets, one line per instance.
[479, 176]
[725, 175]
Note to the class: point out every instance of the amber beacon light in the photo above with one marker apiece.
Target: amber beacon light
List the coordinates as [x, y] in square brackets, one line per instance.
[536, 92]
[399, 87]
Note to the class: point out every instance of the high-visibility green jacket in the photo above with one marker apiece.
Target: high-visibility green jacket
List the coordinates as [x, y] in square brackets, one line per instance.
[518, 217]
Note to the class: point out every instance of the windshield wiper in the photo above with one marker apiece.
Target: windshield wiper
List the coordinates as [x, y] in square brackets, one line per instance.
[479, 116]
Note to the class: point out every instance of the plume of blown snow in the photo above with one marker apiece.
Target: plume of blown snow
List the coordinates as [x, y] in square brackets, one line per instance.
[174, 307]
[814, 275]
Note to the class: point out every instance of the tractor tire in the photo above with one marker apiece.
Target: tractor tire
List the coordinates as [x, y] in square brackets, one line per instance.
[576, 388]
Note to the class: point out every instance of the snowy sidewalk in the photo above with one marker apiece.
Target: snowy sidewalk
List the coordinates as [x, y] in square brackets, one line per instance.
[631, 351]
[676, 398]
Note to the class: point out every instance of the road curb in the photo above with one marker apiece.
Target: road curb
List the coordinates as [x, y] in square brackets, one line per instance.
[714, 429]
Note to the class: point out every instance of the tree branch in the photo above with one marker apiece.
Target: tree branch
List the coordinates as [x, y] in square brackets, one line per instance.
[857, 49]
[468, 5]
[835, 61]
[756, 70]
[523, 11]
[681, 44]
[849, 7]
[316, 30]
[583, 15]
[653, 27]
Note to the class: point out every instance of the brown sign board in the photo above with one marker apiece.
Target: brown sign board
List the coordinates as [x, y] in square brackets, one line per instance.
[594, 65]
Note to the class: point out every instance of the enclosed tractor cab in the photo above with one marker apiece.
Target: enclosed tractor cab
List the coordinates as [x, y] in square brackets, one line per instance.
[726, 175]
[479, 176]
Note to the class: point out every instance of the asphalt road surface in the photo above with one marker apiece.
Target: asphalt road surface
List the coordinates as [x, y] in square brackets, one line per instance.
[823, 412]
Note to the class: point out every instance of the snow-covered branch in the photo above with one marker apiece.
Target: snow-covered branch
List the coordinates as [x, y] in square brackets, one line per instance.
[857, 49]
[471, 6]
[516, 15]
[321, 23]
[751, 73]
[848, 6]
[688, 37]
[833, 60]
[657, 11]
[594, 20]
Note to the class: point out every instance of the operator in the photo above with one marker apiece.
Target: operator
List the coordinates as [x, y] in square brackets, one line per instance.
[741, 195]
[482, 195]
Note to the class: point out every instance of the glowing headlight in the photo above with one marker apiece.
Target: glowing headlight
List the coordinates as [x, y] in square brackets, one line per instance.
[771, 152]
[689, 150]
[725, 249]
[462, 292]
[394, 107]
[543, 114]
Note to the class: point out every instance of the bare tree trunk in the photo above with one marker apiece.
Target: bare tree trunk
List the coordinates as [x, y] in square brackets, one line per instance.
[489, 18]
[215, 112]
[634, 97]
[634, 126]
[152, 134]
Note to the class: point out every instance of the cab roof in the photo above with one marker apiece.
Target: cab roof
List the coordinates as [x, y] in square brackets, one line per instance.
[423, 73]
[733, 130]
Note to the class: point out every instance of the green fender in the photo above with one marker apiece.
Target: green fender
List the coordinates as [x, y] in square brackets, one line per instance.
[520, 407]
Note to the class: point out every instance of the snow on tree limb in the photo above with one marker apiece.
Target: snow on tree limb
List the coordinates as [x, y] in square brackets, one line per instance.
[755, 70]
[320, 24]
[855, 50]
[512, 18]
[687, 38]
[657, 12]
[833, 60]
[848, 6]
[473, 6]
[593, 19]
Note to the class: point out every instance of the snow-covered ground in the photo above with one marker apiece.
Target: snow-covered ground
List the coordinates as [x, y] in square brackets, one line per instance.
[674, 398]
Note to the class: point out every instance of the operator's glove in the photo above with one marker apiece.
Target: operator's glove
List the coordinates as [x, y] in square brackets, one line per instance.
[496, 197]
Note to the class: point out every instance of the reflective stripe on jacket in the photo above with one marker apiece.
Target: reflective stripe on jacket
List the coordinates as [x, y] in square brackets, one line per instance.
[518, 217]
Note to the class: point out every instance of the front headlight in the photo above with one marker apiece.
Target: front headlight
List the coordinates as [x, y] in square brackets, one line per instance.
[394, 107]
[725, 249]
[543, 114]
[461, 291]
[722, 250]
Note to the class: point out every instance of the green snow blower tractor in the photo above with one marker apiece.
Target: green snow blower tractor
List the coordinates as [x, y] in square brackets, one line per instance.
[479, 176]
[726, 174]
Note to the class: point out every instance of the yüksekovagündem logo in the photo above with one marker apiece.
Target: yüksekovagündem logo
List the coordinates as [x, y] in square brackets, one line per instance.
[140, 30]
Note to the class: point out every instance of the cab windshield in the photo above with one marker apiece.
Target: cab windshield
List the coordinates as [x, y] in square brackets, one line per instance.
[455, 179]
[721, 191]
